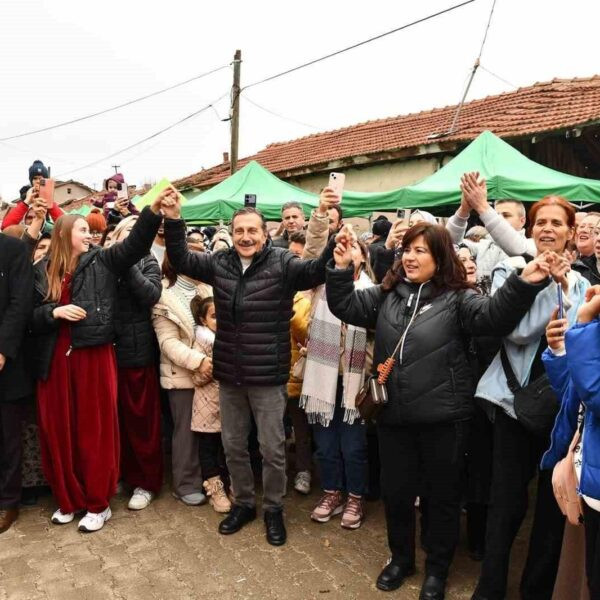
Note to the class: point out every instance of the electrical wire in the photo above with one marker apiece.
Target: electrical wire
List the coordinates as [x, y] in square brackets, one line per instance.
[107, 110]
[498, 77]
[357, 45]
[150, 137]
[272, 112]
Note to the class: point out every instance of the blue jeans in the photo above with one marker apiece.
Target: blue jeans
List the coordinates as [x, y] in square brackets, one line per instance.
[342, 451]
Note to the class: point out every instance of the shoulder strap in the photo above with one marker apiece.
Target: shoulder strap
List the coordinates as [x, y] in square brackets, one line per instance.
[513, 384]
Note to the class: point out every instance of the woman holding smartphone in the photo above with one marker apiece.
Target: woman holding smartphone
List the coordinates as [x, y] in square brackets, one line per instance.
[73, 328]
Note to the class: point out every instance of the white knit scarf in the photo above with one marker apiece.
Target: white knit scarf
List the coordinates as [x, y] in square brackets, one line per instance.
[323, 361]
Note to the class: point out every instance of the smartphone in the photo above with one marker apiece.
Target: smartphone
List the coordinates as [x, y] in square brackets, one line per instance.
[47, 190]
[250, 200]
[122, 192]
[561, 307]
[403, 214]
[336, 183]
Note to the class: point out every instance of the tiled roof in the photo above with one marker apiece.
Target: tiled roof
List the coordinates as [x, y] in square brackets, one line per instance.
[554, 105]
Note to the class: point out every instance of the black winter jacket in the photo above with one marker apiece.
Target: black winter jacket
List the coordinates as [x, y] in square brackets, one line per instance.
[93, 288]
[586, 266]
[432, 380]
[16, 284]
[254, 308]
[138, 291]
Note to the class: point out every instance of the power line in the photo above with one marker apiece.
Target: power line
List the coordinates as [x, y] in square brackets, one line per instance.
[498, 77]
[272, 112]
[156, 134]
[377, 37]
[107, 110]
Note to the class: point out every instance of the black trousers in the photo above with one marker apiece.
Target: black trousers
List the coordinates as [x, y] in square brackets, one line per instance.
[516, 456]
[212, 455]
[11, 453]
[426, 459]
[592, 550]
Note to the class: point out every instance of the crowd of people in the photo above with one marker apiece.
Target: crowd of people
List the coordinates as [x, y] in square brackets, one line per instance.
[126, 330]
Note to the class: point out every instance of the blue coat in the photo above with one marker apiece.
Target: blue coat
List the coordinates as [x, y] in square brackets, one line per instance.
[576, 379]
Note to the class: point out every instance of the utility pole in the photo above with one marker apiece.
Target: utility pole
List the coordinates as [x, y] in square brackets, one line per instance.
[116, 168]
[235, 111]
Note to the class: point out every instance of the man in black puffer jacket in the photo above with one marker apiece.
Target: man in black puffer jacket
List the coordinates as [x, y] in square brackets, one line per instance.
[254, 286]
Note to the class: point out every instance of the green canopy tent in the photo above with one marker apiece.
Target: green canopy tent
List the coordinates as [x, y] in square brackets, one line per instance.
[508, 173]
[221, 201]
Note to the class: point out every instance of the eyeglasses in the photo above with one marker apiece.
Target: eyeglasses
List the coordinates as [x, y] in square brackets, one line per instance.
[96, 234]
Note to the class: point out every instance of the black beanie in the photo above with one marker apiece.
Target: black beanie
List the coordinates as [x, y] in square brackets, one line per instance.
[37, 168]
[23, 192]
[381, 227]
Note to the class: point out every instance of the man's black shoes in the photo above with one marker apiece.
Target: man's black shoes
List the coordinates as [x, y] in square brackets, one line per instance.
[276, 533]
[236, 519]
[392, 576]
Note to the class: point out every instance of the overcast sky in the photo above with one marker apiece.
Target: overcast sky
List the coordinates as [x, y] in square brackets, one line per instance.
[62, 59]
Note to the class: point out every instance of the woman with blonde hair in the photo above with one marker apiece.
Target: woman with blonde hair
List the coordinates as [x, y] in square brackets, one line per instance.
[138, 290]
[73, 328]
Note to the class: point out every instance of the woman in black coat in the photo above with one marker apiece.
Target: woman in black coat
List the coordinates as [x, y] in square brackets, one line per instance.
[426, 302]
[138, 290]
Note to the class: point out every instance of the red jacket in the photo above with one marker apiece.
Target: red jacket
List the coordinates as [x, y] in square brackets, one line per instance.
[15, 215]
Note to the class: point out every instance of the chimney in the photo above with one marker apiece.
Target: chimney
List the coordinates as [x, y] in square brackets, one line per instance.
[225, 157]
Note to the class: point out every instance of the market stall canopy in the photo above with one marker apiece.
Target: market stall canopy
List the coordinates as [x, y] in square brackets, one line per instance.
[221, 201]
[508, 173]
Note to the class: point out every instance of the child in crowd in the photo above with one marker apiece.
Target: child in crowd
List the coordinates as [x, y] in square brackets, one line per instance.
[206, 417]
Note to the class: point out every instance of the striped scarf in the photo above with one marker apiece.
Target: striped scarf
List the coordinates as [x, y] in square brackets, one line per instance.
[323, 362]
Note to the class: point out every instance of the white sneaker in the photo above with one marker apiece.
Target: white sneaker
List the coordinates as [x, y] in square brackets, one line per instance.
[193, 499]
[302, 482]
[94, 521]
[140, 499]
[61, 518]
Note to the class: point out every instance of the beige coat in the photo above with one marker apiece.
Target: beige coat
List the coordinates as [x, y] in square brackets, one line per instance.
[206, 414]
[175, 333]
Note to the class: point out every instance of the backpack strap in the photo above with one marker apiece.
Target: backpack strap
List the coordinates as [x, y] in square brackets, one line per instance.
[511, 380]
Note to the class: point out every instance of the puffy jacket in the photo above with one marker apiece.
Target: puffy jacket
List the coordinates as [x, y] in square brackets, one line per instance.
[432, 380]
[175, 332]
[94, 288]
[254, 307]
[576, 379]
[587, 267]
[299, 332]
[138, 291]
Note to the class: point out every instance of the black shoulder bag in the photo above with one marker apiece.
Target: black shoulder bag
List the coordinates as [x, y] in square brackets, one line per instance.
[536, 404]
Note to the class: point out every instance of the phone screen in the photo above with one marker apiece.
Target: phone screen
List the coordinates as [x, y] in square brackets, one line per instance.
[250, 200]
[561, 307]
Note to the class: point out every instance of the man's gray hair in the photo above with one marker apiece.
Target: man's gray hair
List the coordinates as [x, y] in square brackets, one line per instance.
[292, 204]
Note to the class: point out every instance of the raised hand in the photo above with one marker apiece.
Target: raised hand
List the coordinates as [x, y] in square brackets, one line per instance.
[342, 254]
[591, 309]
[559, 267]
[555, 332]
[328, 199]
[397, 231]
[346, 234]
[474, 191]
[171, 203]
[537, 270]
[69, 312]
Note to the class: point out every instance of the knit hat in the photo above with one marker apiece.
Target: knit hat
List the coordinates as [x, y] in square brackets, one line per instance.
[38, 168]
[23, 192]
[381, 227]
[118, 177]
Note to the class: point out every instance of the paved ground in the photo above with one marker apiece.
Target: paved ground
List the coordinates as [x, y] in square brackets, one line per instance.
[170, 551]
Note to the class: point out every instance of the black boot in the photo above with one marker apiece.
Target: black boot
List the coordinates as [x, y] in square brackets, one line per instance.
[237, 518]
[392, 576]
[276, 533]
[433, 588]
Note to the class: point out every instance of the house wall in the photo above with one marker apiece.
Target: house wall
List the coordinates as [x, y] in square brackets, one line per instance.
[69, 191]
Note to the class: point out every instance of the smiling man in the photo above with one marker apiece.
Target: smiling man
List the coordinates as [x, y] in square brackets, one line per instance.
[293, 220]
[254, 285]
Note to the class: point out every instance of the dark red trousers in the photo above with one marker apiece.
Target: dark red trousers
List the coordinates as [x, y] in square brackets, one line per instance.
[78, 423]
[139, 422]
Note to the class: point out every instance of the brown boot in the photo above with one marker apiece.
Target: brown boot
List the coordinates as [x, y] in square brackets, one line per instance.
[217, 496]
[7, 517]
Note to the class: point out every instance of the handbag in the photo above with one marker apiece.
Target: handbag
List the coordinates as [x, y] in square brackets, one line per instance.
[536, 405]
[371, 398]
[564, 484]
